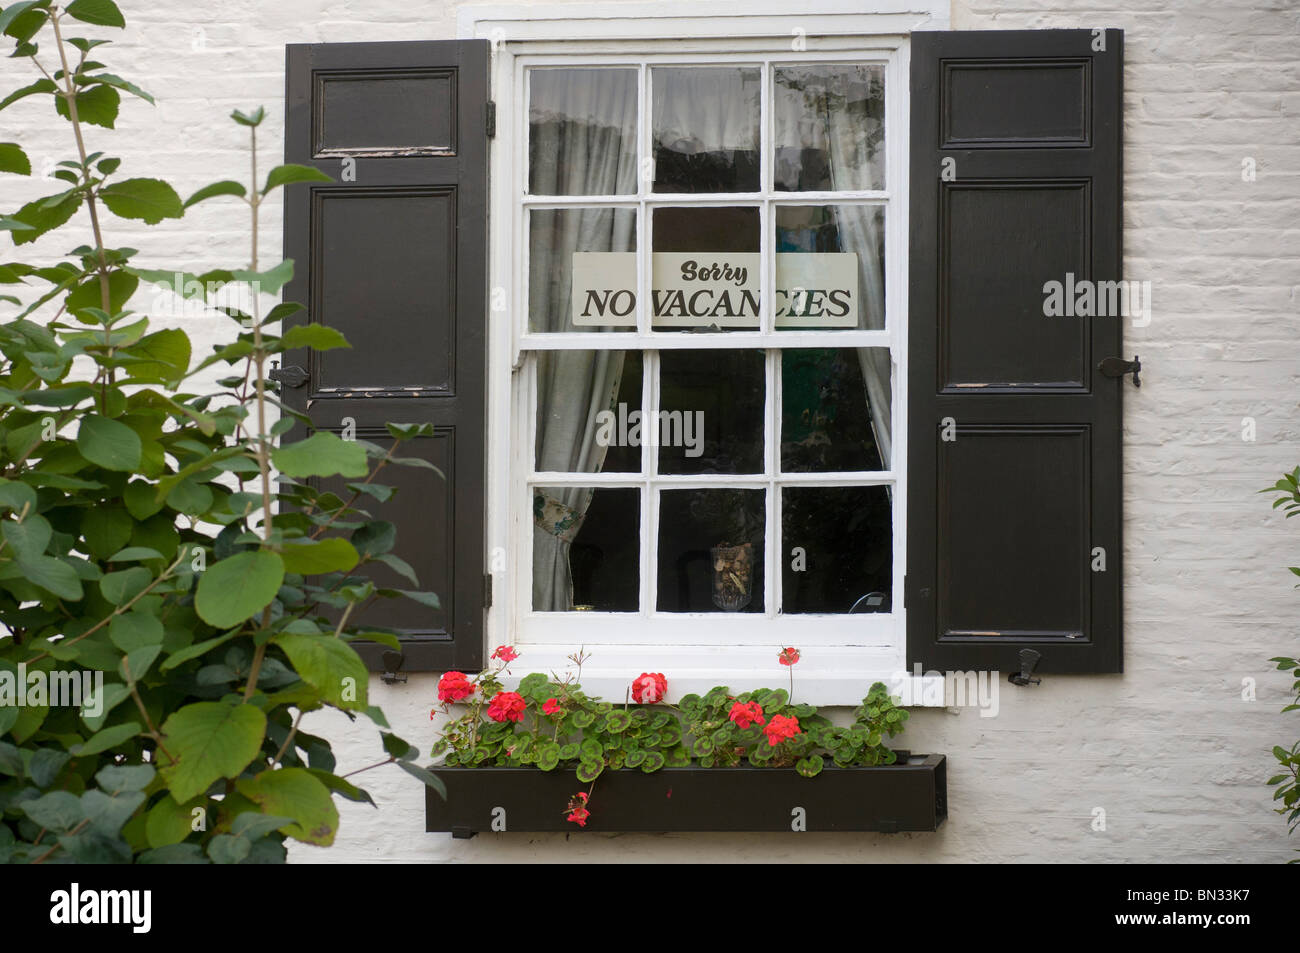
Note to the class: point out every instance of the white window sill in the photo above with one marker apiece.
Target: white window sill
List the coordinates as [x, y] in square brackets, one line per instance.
[824, 676]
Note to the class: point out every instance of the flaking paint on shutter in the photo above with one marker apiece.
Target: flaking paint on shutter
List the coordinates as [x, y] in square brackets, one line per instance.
[393, 254]
[1014, 469]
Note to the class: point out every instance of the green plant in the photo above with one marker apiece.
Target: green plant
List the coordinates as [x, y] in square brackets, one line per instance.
[1288, 782]
[553, 724]
[145, 550]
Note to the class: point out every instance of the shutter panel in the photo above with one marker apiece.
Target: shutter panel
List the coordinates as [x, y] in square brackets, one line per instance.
[393, 254]
[1004, 517]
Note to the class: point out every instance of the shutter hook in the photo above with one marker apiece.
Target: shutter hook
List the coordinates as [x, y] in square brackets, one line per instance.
[1028, 662]
[393, 667]
[1118, 367]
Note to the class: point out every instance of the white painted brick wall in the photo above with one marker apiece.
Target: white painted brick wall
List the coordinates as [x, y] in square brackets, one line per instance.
[1169, 749]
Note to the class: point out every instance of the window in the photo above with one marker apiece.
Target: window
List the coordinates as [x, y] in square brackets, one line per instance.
[705, 405]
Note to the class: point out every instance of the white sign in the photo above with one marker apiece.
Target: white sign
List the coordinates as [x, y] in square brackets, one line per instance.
[699, 290]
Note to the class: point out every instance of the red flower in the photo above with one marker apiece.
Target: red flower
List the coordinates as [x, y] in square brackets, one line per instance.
[746, 714]
[781, 728]
[788, 656]
[577, 809]
[454, 686]
[507, 706]
[649, 688]
[505, 653]
[552, 707]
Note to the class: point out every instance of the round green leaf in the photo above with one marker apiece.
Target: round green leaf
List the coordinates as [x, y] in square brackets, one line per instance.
[321, 454]
[209, 740]
[296, 793]
[326, 555]
[238, 587]
[110, 444]
[149, 200]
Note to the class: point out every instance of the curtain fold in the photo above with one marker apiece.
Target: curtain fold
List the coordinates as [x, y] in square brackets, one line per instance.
[578, 148]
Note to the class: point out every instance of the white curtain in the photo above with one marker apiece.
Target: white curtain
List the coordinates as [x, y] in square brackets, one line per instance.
[581, 120]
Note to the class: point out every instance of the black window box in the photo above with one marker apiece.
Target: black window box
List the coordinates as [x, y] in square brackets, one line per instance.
[910, 795]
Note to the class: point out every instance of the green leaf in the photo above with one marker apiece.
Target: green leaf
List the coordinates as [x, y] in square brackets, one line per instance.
[327, 555]
[168, 353]
[29, 538]
[53, 575]
[40, 86]
[295, 793]
[225, 187]
[110, 444]
[321, 454]
[330, 665]
[133, 630]
[97, 105]
[210, 741]
[125, 777]
[589, 771]
[811, 766]
[13, 159]
[99, 12]
[15, 10]
[58, 811]
[168, 822]
[15, 496]
[253, 118]
[107, 738]
[40, 218]
[375, 537]
[122, 586]
[238, 587]
[270, 281]
[318, 337]
[116, 81]
[149, 200]
[291, 172]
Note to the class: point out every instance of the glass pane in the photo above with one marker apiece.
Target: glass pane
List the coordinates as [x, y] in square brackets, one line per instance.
[830, 128]
[837, 549]
[835, 409]
[711, 411]
[586, 548]
[582, 131]
[588, 411]
[705, 274]
[711, 550]
[706, 128]
[830, 267]
[581, 269]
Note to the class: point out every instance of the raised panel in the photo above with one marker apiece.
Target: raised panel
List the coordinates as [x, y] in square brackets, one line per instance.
[384, 113]
[1005, 575]
[1000, 243]
[422, 510]
[1015, 104]
[384, 273]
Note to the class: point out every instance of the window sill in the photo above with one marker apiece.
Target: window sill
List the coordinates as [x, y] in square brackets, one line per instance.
[825, 676]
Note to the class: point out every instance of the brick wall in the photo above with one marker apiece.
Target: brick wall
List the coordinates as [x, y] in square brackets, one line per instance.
[1170, 750]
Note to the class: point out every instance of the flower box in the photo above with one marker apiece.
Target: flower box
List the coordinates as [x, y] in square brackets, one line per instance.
[910, 795]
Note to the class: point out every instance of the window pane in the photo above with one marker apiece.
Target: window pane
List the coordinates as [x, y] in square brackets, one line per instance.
[588, 411]
[835, 409]
[837, 549]
[711, 411]
[706, 129]
[582, 131]
[705, 274]
[711, 550]
[830, 267]
[581, 269]
[830, 128]
[586, 548]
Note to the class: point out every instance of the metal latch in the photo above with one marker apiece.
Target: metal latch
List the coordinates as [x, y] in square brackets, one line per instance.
[1118, 367]
[1028, 662]
[291, 376]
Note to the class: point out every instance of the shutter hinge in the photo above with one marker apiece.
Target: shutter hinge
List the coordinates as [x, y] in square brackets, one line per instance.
[490, 119]
[487, 590]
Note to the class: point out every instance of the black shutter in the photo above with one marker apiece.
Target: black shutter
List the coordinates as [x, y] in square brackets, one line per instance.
[393, 254]
[1003, 519]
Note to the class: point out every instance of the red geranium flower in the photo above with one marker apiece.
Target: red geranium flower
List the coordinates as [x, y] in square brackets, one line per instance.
[781, 728]
[746, 714]
[552, 707]
[788, 656]
[577, 809]
[454, 686]
[505, 653]
[649, 688]
[507, 706]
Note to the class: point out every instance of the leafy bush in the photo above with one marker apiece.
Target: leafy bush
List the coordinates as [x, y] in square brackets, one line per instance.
[1288, 782]
[143, 543]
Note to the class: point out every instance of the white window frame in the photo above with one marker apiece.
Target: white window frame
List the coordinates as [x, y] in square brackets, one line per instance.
[842, 654]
